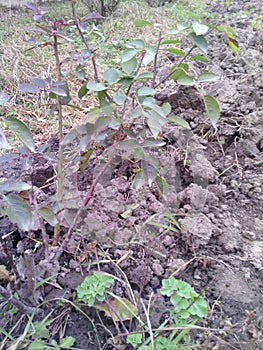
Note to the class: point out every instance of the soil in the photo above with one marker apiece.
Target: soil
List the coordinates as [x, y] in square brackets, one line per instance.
[217, 195]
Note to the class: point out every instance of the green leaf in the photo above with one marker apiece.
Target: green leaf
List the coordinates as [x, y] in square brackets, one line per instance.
[140, 179]
[68, 138]
[150, 53]
[199, 29]
[186, 80]
[199, 308]
[111, 75]
[83, 90]
[92, 85]
[155, 122]
[136, 44]
[4, 274]
[169, 286]
[134, 339]
[102, 123]
[176, 51]
[22, 132]
[142, 23]
[179, 121]
[18, 212]
[146, 91]
[161, 185]
[41, 331]
[3, 98]
[129, 66]
[199, 41]
[80, 72]
[67, 342]
[14, 185]
[58, 91]
[136, 113]
[48, 215]
[185, 290]
[37, 345]
[128, 54]
[207, 76]
[129, 144]
[153, 106]
[171, 41]
[180, 304]
[166, 107]
[123, 307]
[150, 171]
[119, 98]
[29, 88]
[3, 141]
[199, 58]
[150, 142]
[233, 44]
[106, 107]
[177, 74]
[212, 109]
[125, 82]
[93, 115]
[144, 75]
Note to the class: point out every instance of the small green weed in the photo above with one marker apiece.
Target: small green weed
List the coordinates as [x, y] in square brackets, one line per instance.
[36, 336]
[94, 287]
[186, 308]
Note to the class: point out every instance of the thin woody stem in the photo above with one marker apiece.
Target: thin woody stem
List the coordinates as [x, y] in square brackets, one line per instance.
[88, 197]
[25, 309]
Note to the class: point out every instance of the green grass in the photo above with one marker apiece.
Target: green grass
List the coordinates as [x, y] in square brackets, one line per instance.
[17, 64]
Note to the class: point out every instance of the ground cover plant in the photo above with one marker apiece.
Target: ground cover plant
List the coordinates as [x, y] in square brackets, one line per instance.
[126, 128]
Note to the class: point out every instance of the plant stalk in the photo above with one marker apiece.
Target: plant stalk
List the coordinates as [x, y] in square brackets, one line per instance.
[88, 197]
[60, 151]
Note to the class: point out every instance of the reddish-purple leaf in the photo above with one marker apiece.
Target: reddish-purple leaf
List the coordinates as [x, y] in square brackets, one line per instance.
[29, 88]
[3, 98]
[32, 7]
[41, 83]
[48, 81]
[58, 91]
[32, 41]
[59, 83]
[37, 16]
[44, 29]
[59, 35]
[85, 53]
[91, 16]
[82, 26]
[39, 30]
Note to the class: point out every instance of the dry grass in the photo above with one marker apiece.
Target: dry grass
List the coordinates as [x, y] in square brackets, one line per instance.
[17, 64]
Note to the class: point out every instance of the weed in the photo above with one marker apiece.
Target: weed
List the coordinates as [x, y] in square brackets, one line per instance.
[187, 308]
[93, 287]
[36, 336]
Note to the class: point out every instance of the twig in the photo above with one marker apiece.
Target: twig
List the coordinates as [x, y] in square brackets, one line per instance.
[180, 62]
[41, 222]
[111, 308]
[84, 204]
[176, 67]
[25, 309]
[96, 76]
[155, 59]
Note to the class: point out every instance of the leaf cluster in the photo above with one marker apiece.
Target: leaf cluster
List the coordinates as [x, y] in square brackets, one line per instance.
[127, 113]
[94, 287]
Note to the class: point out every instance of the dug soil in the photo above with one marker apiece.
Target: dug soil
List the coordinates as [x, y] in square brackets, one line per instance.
[215, 180]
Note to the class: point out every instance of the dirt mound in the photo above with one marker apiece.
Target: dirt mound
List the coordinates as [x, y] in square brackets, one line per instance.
[216, 197]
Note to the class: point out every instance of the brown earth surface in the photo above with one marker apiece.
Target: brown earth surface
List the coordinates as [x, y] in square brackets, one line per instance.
[218, 197]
